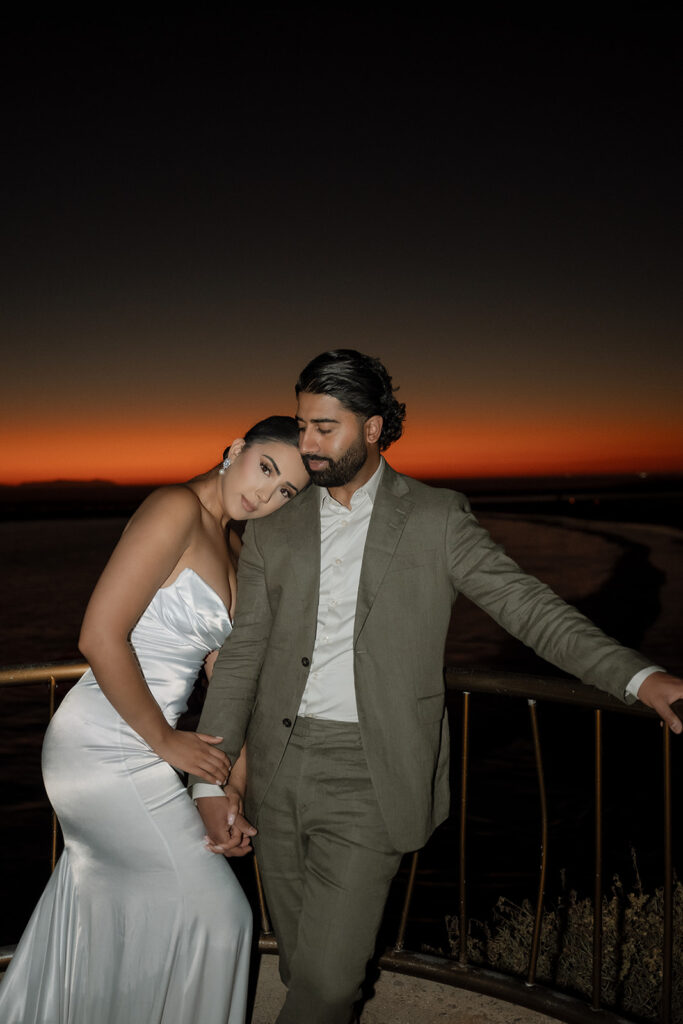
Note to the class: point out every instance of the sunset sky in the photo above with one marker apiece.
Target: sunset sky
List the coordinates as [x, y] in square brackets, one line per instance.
[194, 209]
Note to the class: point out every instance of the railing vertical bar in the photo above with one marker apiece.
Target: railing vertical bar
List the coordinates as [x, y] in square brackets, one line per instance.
[668, 931]
[597, 889]
[398, 945]
[462, 951]
[266, 926]
[538, 922]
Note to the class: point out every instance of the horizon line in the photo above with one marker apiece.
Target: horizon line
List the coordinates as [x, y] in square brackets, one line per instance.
[559, 474]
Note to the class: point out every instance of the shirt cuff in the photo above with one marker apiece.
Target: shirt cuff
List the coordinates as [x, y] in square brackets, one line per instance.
[634, 684]
[205, 789]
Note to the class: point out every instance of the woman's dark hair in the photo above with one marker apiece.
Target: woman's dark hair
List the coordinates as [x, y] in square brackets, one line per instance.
[360, 383]
[284, 429]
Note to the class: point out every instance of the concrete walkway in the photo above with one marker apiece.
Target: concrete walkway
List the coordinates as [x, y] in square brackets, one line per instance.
[402, 1000]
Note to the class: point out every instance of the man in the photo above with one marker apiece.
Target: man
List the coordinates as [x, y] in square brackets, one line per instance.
[333, 674]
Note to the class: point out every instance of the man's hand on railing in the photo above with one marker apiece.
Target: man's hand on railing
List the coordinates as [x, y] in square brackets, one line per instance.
[659, 691]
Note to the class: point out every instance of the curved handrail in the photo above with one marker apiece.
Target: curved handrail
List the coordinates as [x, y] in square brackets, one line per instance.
[458, 972]
[42, 672]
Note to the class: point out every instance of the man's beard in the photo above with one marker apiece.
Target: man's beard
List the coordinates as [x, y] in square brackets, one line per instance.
[339, 472]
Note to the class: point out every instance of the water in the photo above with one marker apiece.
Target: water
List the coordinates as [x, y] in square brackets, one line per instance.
[626, 576]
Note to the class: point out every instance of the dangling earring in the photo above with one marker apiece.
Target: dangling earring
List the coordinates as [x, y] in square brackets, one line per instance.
[224, 465]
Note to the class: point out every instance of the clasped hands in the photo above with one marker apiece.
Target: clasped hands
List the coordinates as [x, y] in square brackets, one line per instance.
[227, 830]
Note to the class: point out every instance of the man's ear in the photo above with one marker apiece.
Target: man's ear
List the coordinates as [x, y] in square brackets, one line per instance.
[373, 428]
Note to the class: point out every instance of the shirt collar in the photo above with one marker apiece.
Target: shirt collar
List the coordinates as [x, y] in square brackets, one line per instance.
[369, 488]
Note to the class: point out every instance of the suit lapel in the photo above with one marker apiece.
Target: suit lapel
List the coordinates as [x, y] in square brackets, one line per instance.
[302, 537]
[389, 516]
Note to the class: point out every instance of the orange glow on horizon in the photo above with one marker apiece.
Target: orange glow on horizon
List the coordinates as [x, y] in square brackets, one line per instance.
[138, 453]
[539, 449]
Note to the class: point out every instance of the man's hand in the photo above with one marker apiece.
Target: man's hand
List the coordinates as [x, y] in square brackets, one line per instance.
[659, 691]
[228, 831]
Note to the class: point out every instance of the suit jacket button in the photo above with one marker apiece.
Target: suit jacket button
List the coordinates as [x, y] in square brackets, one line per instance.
[287, 722]
[305, 662]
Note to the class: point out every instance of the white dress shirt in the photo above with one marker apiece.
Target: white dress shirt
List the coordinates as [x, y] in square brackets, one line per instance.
[330, 691]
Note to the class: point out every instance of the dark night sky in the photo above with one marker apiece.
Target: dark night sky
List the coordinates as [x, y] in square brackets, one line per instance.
[193, 208]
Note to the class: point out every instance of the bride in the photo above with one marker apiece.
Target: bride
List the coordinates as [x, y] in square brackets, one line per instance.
[140, 923]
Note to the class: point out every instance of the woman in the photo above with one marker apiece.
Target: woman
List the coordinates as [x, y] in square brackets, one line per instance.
[140, 922]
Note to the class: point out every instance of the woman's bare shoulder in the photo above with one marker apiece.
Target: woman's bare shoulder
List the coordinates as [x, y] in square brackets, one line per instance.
[173, 502]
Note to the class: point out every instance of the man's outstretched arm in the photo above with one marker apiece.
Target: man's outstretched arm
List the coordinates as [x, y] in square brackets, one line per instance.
[530, 610]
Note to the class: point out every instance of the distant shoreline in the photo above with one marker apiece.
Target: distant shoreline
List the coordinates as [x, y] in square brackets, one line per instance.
[654, 498]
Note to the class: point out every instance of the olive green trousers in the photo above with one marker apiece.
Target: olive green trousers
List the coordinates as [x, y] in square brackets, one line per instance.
[327, 863]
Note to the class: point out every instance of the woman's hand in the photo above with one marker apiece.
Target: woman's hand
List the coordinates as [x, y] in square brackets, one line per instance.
[195, 753]
[228, 831]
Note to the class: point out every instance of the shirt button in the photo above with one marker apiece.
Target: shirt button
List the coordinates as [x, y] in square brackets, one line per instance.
[337, 561]
[305, 662]
[287, 722]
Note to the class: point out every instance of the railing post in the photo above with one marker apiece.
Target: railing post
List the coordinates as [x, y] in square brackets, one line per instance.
[266, 926]
[538, 922]
[668, 890]
[462, 951]
[597, 886]
[400, 938]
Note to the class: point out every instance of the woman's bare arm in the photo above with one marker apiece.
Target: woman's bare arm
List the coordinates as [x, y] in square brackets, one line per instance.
[153, 543]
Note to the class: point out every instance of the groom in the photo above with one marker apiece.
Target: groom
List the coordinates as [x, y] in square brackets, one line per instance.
[334, 675]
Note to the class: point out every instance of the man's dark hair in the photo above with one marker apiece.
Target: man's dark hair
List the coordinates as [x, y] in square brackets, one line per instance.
[360, 383]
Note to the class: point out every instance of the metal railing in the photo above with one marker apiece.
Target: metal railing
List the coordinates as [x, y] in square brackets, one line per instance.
[529, 993]
[460, 972]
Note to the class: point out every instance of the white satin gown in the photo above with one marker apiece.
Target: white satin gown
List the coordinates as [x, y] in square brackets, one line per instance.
[139, 923]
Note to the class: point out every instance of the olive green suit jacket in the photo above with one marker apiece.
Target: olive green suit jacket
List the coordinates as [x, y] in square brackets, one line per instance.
[423, 547]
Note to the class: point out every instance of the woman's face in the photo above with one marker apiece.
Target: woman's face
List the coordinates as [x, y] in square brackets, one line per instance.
[262, 478]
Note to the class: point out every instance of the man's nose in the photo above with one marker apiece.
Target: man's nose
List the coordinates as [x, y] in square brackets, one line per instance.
[308, 441]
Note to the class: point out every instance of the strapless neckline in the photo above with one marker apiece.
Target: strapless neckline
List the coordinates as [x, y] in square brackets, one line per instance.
[182, 623]
[206, 585]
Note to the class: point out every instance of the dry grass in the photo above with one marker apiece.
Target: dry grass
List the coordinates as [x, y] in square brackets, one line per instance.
[631, 947]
